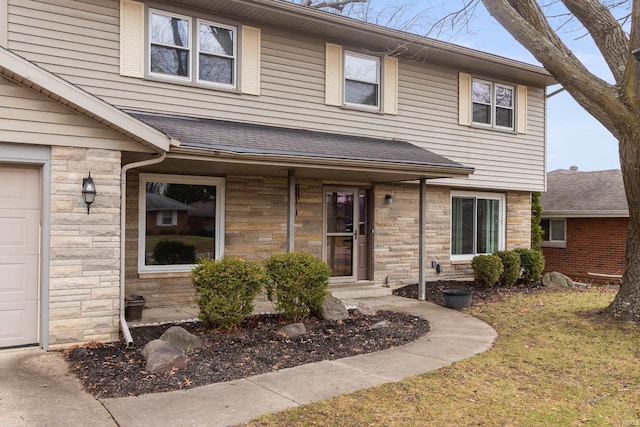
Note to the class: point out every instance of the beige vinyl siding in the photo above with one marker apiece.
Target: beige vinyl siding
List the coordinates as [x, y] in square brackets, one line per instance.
[30, 118]
[292, 93]
[4, 31]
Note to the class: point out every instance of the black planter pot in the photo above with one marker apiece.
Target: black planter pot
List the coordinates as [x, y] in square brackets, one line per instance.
[457, 298]
[133, 308]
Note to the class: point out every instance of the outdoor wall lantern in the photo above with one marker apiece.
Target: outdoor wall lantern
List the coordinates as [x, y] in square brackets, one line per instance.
[88, 191]
[388, 198]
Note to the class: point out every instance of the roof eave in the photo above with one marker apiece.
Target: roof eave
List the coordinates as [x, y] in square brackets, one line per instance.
[59, 90]
[550, 214]
[410, 171]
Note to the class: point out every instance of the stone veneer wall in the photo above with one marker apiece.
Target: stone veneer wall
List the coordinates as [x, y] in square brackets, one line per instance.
[518, 227]
[84, 283]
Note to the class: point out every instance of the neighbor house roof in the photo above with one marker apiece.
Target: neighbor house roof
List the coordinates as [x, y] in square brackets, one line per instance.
[576, 194]
[341, 29]
[157, 202]
[246, 140]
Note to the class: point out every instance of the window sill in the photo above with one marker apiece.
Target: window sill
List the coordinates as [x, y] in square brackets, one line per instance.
[492, 128]
[561, 245]
[460, 261]
[163, 274]
[364, 109]
[189, 83]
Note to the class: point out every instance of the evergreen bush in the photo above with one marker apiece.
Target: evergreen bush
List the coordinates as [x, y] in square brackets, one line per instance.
[511, 267]
[226, 288]
[532, 262]
[170, 252]
[486, 269]
[298, 284]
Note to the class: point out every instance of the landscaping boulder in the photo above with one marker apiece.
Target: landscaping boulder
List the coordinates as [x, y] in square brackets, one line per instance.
[293, 330]
[555, 280]
[381, 325]
[181, 338]
[333, 309]
[365, 310]
[162, 356]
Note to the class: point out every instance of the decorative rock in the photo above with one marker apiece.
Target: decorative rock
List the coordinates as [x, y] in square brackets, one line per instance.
[333, 309]
[293, 330]
[365, 310]
[162, 356]
[181, 338]
[555, 280]
[381, 324]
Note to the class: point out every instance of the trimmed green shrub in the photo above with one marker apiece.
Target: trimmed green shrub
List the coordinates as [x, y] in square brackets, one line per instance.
[298, 284]
[511, 267]
[227, 288]
[167, 252]
[532, 263]
[536, 219]
[486, 269]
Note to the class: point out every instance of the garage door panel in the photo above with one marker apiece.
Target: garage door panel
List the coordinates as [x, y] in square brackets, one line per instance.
[20, 213]
[20, 188]
[18, 323]
[19, 232]
[17, 276]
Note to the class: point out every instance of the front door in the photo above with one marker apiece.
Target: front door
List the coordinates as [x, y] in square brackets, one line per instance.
[19, 255]
[346, 229]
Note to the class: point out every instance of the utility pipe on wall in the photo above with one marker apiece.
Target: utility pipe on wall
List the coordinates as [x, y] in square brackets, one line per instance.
[123, 217]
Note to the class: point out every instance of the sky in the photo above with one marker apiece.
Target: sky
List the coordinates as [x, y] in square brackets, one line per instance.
[574, 138]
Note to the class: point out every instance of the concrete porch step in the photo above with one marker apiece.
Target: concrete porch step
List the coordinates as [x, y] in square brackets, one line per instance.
[360, 291]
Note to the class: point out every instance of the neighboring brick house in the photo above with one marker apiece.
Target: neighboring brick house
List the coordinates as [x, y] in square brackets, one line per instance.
[585, 219]
[281, 127]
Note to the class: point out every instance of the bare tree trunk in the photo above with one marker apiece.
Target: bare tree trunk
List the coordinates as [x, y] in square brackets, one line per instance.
[626, 305]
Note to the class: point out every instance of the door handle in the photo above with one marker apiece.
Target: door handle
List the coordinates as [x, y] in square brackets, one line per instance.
[355, 235]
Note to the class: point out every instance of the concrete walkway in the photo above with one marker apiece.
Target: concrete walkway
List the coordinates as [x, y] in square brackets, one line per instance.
[47, 395]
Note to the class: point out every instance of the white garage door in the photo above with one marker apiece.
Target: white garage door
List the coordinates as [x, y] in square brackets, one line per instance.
[19, 254]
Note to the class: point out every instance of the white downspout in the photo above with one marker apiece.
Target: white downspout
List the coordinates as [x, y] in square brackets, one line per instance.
[123, 225]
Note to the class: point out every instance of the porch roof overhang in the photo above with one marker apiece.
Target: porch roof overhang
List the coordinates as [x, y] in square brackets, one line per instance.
[30, 75]
[244, 148]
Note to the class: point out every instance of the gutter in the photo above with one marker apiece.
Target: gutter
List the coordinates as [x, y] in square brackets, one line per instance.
[123, 215]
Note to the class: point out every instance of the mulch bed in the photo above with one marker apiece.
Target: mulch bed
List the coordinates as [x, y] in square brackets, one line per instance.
[480, 295]
[109, 370]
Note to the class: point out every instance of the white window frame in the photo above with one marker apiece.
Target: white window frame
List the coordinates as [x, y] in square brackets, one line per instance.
[555, 243]
[162, 214]
[493, 105]
[193, 77]
[189, 76]
[234, 71]
[378, 105]
[219, 183]
[501, 226]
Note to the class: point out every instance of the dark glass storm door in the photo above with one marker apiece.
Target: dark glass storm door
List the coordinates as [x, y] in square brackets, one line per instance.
[346, 229]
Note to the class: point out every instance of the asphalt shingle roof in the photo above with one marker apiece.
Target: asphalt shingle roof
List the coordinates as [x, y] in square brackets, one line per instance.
[259, 139]
[572, 190]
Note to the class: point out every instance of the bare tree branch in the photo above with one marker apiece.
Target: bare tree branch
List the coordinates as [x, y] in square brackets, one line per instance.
[526, 22]
[338, 5]
[605, 31]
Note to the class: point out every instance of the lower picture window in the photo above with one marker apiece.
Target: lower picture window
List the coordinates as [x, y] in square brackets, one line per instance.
[180, 221]
[476, 225]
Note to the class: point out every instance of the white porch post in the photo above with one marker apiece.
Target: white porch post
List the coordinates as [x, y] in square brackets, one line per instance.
[291, 211]
[422, 241]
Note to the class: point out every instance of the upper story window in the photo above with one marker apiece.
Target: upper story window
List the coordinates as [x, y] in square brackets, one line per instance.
[361, 80]
[171, 52]
[493, 104]
[554, 232]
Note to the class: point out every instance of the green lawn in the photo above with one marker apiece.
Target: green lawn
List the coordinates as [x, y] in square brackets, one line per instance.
[557, 362]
